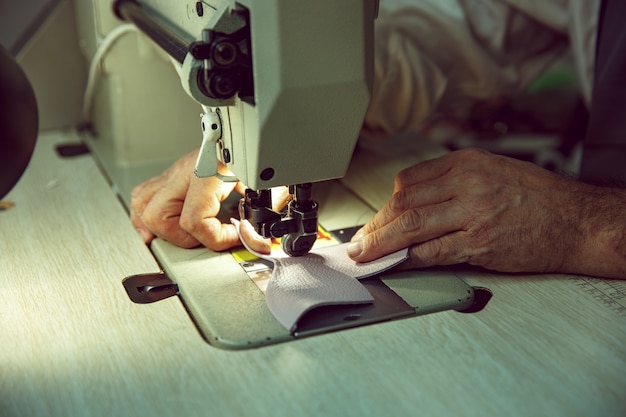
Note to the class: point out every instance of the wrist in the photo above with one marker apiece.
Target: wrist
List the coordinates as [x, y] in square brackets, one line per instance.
[601, 246]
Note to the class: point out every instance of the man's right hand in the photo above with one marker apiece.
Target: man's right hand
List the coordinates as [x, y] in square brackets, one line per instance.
[181, 208]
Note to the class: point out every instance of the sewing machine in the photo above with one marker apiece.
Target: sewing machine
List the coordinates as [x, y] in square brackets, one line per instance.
[275, 92]
[284, 86]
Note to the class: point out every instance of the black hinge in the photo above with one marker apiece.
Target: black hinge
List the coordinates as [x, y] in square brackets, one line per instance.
[148, 288]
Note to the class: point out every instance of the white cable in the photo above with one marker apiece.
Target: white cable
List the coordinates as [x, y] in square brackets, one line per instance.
[94, 67]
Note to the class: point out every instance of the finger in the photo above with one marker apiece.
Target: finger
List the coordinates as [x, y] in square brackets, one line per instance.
[162, 218]
[144, 232]
[215, 235]
[156, 206]
[140, 197]
[412, 226]
[424, 171]
[251, 238]
[450, 249]
[198, 214]
[280, 198]
[410, 198]
[142, 193]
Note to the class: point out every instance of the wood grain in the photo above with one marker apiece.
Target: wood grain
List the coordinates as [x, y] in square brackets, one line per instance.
[74, 345]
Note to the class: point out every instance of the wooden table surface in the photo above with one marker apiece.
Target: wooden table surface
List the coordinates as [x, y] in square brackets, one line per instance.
[72, 344]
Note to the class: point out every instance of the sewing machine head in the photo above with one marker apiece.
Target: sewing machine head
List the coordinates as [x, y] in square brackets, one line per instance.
[284, 85]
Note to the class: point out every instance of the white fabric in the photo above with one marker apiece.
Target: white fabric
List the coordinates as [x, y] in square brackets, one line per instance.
[325, 276]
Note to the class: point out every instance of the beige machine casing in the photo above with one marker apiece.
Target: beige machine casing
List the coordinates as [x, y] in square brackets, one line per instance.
[312, 65]
[312, 81]
[142, 119]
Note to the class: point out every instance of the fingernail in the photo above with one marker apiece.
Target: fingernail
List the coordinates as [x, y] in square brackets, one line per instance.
[355, 248]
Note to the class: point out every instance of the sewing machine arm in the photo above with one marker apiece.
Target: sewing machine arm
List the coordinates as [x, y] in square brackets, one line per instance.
[263, 73]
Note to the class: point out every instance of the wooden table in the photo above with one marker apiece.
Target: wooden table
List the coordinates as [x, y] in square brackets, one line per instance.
[72, 344]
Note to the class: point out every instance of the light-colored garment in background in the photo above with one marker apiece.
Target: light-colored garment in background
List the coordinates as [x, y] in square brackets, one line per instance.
[435, 54]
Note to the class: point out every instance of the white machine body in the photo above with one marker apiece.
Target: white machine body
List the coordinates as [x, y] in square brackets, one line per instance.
[312, 72]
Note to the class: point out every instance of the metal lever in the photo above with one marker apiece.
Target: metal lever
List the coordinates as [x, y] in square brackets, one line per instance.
[206, 164]
[148, 288]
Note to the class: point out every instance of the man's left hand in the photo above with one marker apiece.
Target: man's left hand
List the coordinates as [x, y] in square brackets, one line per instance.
[476, 207]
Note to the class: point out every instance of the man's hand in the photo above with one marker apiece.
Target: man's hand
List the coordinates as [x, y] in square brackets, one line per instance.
[181, 208]
[500, 213]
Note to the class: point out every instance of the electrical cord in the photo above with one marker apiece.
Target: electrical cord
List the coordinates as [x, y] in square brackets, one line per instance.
[94, 68]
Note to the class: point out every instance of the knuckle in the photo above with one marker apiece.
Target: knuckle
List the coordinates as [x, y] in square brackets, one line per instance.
[411, 221]
[402, 179]
[428, 254]
[472, 154]
[434, 253]
[400, 201]
[188, 223]
[149, 219]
